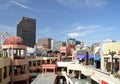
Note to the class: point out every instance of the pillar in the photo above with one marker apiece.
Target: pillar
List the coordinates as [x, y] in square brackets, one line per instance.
[16, 52]
[3, 53]
[12, 52]
[19, 53]
[28, 81]
[8, 52]
[12, 74]
[67, 76]
[119, 64]
[31, 63]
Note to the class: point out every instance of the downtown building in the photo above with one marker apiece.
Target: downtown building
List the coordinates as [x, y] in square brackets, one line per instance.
[55, 45]
[45, 43]
[26, 29]
[71, 43]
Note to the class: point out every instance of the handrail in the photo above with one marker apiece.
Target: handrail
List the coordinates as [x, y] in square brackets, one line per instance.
[102, 71]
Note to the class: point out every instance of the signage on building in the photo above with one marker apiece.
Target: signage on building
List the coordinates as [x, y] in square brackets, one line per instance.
[103, 82]
[97, 75]
[103, 77]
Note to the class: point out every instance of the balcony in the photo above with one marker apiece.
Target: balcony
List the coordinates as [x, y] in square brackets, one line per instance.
[19, 77]
[19, 61]
[63, 64]
[86, 70]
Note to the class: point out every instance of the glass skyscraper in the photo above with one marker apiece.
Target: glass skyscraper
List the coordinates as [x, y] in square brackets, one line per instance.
[26, 29]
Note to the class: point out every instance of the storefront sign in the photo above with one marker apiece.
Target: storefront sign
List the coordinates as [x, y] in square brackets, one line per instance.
[97, 75]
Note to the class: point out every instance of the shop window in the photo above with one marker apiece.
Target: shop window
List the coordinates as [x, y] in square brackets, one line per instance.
[91, 61]
[30, 64]
[115, 63]
[0, 74]
[107, 64]
[38, 63]
[5, 72]
[19, 70]
[9, 70]
[34, 63]
[97, 64]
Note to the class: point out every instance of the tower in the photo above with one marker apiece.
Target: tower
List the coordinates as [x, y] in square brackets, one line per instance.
[26, 29]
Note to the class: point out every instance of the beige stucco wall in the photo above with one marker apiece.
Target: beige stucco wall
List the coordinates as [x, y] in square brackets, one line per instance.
[111, 46]
[115, 46]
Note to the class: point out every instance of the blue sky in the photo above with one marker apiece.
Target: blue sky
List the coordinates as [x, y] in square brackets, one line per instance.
[85, 20]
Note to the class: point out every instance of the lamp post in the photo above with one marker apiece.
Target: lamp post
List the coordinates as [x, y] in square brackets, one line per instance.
[112, 53]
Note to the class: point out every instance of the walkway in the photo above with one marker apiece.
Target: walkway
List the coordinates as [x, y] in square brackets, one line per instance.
[46, 78]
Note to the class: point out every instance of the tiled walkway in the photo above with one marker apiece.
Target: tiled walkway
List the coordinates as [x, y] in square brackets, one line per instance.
[46, 78]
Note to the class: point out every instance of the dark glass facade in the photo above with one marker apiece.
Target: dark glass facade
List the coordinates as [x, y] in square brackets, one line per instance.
[26, 29]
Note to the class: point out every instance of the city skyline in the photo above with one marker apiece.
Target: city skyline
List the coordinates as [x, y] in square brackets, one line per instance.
[85, 20]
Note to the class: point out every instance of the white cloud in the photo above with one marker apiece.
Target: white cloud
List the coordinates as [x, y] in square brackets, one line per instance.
[79, 27]
[81, 31]
[74, 34]
[20, 3]
[84, 3]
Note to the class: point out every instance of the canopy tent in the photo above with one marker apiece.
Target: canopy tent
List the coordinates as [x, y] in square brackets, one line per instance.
[90, 56]
[83, 56]
[80, 57]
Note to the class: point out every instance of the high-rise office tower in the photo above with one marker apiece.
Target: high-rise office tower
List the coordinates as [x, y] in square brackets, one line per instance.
[26, 29]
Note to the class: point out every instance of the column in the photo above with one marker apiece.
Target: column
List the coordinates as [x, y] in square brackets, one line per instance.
[12, 52]
[28, 81]
[12, 74]
[16, 52]
[8, 52]
[67, 76]
[24, 53]
[31, 63]
[19, 53]
[3, 53]
[102, 63]
[36, 63]
[7, 70]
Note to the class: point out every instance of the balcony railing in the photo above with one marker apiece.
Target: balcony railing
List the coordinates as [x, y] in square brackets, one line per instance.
[19, 61]
[86, 70]
[17, 57]
[19, 77]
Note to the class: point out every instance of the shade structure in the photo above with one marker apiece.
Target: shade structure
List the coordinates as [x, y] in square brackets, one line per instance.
[90, 56]
[80, 57]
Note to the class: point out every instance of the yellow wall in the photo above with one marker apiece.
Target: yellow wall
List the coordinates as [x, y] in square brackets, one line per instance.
[111, 46]
[4, 62]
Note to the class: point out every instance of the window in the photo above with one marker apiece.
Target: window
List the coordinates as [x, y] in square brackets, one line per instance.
[0, 74]
[5, 72]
